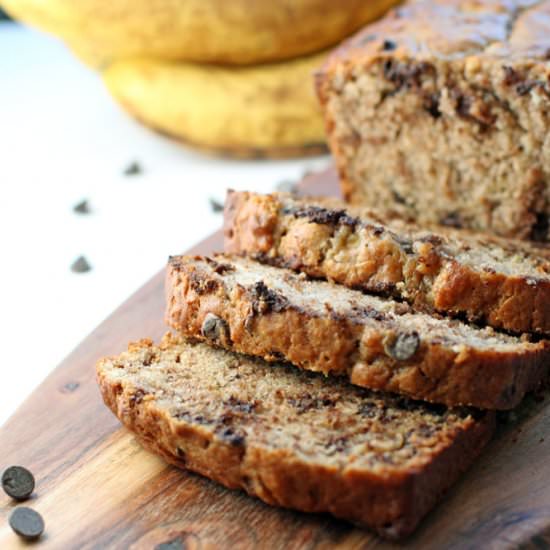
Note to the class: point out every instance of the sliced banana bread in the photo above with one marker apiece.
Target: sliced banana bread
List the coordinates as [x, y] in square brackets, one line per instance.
[375, 342]
[503, 283]
[440, 112]
[288, 436]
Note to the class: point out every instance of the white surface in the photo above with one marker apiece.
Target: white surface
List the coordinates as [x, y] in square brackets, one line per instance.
[63, 139]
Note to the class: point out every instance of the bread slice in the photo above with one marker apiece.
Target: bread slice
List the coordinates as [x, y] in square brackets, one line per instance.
[439, 112]
[289, 437]
[505, 284]
[378, 343]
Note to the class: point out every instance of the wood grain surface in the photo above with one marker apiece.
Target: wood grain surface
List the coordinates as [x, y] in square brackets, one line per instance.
[96, 487]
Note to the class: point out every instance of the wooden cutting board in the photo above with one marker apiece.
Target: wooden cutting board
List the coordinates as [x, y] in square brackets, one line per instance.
[96, 488]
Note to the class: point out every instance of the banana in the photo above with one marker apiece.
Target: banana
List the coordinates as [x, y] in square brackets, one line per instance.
[231, 32]
[265, 110]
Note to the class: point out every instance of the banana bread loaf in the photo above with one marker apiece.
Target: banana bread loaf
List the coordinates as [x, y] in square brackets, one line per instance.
[288, 436]
[503, 283]
[375, 342]
[440, 112]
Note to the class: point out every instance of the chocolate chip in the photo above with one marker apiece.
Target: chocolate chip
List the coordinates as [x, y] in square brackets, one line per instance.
[539, 231]
[306, 402]
[233, 437]
[368, 410]
[402, 346]
[18, 482]
[180, 453]
[136, 399]
[397, 197]
[27, 523]
[192, 419]
[452, 219]
[405, 243]
[80, 265]
[463, 108]
[523, 88]
[462, 104]
[220, 268]
[266, 300]
[337, 445]
[215, 328]
[511, 76]
[435, 240]
[82, 207]
[215, 205]
[70, 387]
[431, 104]
[325, 216]
[369, 312]
[388, 45]
[210, 326]
[236, 405]
[406, 75]
[200, 285]
[133, 169]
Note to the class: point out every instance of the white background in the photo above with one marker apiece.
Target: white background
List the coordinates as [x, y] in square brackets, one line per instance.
[62, 139]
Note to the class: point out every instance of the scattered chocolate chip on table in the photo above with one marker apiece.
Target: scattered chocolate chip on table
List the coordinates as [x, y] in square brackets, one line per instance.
[81, 265]
[27, 523]
[82, 207]
[133, 169]
[18, 482]
[215, 205]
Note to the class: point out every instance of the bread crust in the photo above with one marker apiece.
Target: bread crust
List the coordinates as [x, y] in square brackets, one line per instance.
[347, 342]
[331, 240]
[390, 503]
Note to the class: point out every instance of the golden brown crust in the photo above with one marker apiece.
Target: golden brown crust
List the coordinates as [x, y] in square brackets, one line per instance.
[439, 113]
[392, 504]
[353, 341]
[328, 239]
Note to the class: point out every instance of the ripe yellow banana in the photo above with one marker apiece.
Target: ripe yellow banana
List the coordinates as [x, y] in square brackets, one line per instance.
[266, 110]
[219, 31]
